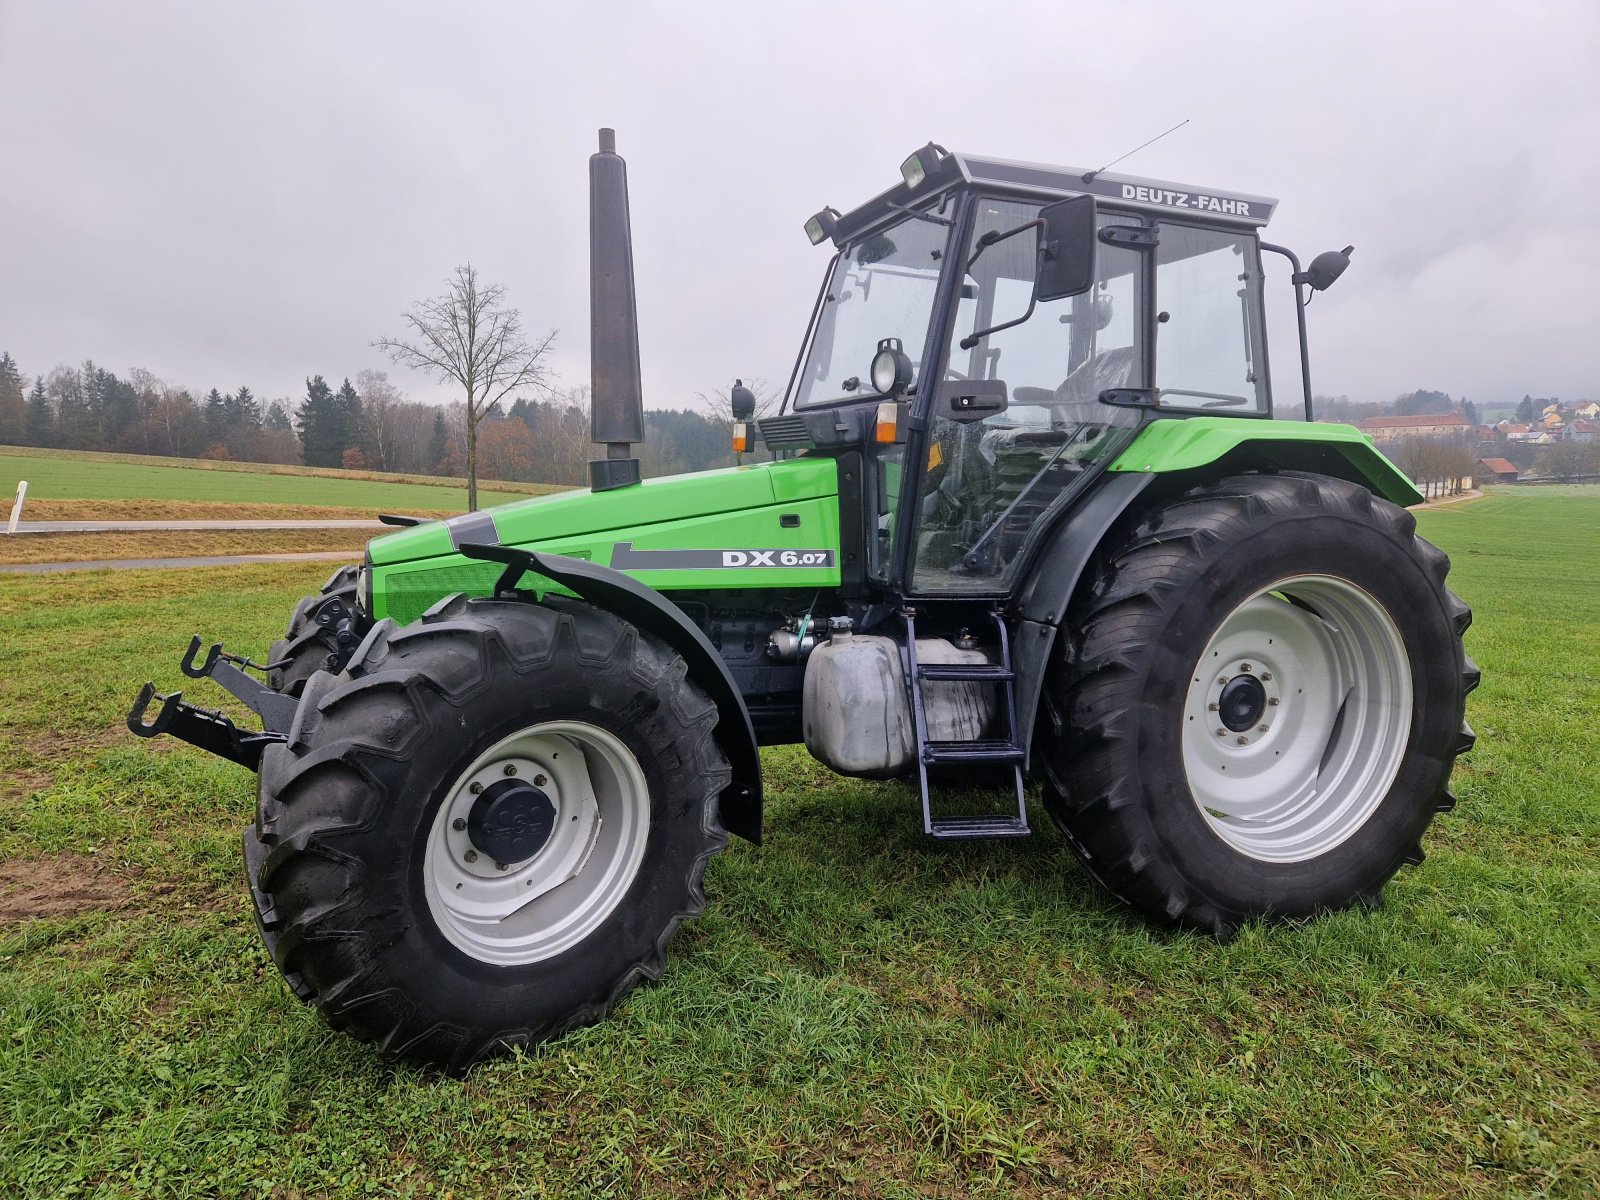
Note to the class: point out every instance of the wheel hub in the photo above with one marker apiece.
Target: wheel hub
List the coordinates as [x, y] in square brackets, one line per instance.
[1296, 718]
[538, 839]
[1243, 700]
[511, 821]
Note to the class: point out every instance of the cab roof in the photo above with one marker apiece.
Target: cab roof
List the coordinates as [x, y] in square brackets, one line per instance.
[1053, 183]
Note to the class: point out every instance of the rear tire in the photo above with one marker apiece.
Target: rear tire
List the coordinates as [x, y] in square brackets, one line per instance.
[307, 647]
[373, 869]
[1260, 703]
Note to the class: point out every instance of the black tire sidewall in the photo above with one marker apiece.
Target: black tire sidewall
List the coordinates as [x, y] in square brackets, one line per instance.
[375, 754]
[583, 975]
[1325, 544]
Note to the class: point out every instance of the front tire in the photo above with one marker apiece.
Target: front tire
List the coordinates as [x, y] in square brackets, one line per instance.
[307, 645]
[485, 831]
[1260, 704]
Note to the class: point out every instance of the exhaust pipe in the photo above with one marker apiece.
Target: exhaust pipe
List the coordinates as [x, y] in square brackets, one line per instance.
[616, 413]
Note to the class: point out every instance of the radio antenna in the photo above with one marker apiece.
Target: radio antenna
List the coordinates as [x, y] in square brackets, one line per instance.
[1088, 176]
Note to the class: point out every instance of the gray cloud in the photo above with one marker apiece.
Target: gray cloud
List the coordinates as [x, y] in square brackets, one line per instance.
[228, 194]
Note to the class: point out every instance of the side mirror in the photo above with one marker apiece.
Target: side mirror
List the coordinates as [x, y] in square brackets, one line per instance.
[1325, 268]
[742, 401]
[1067, 248]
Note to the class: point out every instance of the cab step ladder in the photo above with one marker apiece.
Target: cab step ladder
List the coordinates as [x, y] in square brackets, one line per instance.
[997, 751]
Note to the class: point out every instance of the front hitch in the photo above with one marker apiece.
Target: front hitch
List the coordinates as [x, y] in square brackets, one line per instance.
[211, 730]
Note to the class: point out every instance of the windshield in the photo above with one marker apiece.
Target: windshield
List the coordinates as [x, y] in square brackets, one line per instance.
[882, 287]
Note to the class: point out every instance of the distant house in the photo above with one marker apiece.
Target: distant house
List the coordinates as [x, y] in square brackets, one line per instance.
[1589, 411]
[1393, 429]
[1498, 470]
[1517, 433]
[1582, 431]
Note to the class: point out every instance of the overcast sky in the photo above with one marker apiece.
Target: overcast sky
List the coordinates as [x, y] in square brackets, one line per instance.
[231, 194]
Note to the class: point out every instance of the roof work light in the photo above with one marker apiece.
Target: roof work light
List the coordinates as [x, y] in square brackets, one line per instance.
[922, 163]
[821, 226]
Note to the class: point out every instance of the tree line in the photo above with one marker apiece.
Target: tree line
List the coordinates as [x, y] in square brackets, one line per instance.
[362, 423]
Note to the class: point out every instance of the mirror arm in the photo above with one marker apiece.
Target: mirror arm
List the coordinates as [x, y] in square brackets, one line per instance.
[987, 240]
[972, 339]
[991, 239]
[1300, 312]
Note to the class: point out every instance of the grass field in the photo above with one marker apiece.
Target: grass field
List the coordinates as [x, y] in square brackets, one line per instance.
[70, 475]
[861, 1012]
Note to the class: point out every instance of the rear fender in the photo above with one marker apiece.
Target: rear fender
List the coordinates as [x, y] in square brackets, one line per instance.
[1168, 458]
[649, 610]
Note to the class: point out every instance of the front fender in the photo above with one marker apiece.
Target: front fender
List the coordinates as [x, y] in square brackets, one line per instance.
[740, 803]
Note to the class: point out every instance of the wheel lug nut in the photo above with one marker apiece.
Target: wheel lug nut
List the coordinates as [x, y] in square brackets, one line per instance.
[539, 781]
[511, 768]
[475, 788]
[1263, 728]
[1222, 733]
[1244, 666]
[1272, 699]
[1222, 680]
[1266, 677]
[1242, 740]
[501, 866]
[1213, 707]
[471, 856]
[458, 824]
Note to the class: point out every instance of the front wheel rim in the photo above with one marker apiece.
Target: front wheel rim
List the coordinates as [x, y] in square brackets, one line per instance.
[511, 913]
[1297, 718]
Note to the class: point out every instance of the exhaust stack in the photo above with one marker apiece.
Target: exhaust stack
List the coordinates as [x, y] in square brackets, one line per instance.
[616, 413]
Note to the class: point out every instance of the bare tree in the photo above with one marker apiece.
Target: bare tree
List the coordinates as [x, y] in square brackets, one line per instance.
[471, 337]
[380, 405]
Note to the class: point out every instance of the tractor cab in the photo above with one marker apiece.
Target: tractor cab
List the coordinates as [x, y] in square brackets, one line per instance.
[1014, 326]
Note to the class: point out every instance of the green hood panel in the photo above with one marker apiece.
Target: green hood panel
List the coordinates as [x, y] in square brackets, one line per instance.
[769, 525]
[1185, 444]
[582, 512]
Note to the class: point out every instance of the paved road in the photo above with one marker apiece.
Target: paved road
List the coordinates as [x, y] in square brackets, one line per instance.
[173, 526]
[163, 564]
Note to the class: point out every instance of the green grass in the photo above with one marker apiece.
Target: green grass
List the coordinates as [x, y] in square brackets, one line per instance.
[861, 1012]
[78, 475]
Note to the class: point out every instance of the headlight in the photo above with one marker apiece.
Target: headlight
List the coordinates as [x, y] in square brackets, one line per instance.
[891, 369]
[364, 588]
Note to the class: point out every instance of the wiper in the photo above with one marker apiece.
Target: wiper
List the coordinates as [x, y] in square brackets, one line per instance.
[920, 215]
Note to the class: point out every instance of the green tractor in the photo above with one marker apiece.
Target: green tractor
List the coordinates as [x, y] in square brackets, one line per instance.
[1026, 514]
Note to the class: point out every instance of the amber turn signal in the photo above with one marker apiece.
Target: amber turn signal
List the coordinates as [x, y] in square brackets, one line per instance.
[741, 437]
[886, 427]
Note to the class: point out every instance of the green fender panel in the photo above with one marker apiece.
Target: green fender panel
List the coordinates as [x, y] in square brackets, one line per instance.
[1168, 445]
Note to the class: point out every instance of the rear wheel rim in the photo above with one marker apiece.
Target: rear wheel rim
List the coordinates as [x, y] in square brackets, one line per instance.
[1297, 718]
[514, 913]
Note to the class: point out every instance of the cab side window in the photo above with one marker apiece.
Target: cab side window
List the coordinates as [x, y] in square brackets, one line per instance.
[1208, 332]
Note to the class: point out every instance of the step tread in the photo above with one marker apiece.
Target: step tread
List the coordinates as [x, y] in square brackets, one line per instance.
[987, 750]
[987, 671]
[973, 827]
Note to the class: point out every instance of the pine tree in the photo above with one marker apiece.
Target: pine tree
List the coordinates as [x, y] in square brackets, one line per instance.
[321, 424]
[242, 411]
[439, 443]
[216, 410]
[41, 419]
[350, 411]
[277, 418]
[13, 405]
[1525, 413]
